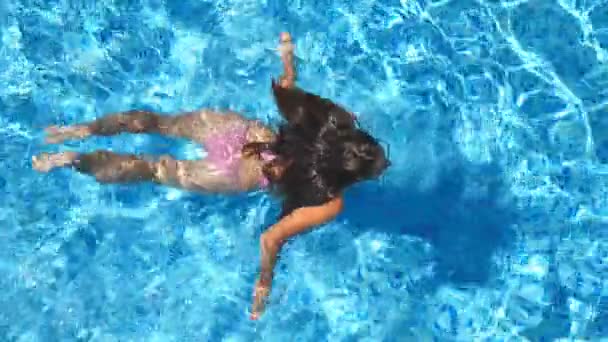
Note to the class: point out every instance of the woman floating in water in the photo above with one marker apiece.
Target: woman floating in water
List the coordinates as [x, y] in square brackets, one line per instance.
[315, 155]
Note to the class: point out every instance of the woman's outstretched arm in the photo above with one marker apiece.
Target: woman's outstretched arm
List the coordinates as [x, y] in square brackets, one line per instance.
[271, 242]
[288, 79]
[298, 106]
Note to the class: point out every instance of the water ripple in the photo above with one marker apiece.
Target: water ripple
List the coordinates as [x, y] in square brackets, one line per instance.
[489, 226]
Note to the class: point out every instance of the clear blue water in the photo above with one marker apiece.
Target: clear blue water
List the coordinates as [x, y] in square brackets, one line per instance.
[490, 226]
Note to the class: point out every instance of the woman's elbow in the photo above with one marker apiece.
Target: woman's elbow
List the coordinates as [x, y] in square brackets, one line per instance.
[337, 206]
[269, 242]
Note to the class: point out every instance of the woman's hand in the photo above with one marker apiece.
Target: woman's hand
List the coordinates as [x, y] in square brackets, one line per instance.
[286, 49]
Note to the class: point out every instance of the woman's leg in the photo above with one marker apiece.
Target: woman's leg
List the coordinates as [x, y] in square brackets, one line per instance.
[194, 125]
[109, 167]
[105, 166]
[134, 121]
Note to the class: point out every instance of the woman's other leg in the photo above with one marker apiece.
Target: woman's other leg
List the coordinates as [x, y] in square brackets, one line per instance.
[109, 167]
[194, 125]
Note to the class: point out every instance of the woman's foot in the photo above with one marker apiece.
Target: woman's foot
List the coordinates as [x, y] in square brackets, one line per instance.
[45, 162]
[57, 134]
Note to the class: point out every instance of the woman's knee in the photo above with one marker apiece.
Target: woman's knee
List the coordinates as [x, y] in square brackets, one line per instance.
[166, 170]
[142, 121]
[90, 162]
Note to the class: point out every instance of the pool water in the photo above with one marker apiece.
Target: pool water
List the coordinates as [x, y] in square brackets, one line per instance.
[491, 225]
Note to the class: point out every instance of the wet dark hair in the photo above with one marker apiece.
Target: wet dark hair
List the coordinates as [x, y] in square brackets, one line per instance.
[321, 150]
[311, 112]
